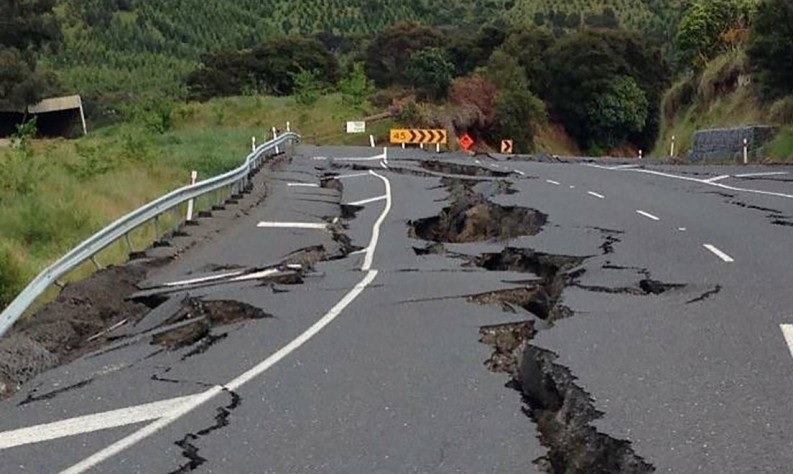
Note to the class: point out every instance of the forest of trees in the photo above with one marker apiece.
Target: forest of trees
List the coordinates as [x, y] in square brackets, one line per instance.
[598, 68]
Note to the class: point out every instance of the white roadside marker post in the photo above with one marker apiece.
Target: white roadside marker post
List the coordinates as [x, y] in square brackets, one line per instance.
[253, 144]
[190, 203]
[275, 135]
[371, 141]
[288, 127]
[672, 149]
[745, 151]
[641, 154]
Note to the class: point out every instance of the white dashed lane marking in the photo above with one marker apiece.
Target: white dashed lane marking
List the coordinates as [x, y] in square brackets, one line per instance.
[599, 196]
[648, 215]
[726, 258]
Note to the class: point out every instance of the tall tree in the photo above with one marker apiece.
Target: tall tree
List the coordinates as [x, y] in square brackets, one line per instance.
[26, 27]
[771, 47]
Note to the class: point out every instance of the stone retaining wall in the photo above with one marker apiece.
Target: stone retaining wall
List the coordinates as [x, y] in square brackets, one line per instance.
[721, 144]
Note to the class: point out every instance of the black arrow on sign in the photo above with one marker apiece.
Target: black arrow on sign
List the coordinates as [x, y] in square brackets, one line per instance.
[414, 136]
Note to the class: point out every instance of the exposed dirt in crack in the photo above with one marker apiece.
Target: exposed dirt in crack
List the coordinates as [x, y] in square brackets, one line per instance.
[543, 299]
[187, 444]
[562, 411]
[204, 315]
[473, 218]
[446, 167]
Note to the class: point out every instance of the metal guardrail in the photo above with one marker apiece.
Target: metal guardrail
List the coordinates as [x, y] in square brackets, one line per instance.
[85, 251]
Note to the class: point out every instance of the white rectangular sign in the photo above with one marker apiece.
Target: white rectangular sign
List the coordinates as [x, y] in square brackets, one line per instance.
[356, 127]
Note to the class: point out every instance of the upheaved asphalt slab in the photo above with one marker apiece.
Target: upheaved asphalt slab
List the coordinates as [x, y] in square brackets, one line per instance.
[354, 346]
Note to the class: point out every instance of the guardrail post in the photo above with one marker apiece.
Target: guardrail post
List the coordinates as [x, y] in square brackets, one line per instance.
[95, 262]
[253, 144]
[130, 249]
[156, 222]
[288, 126]
[191, 203]
[275, 135]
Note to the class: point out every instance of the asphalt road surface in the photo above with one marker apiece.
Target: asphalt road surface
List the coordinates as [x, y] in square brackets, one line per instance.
[409, 313]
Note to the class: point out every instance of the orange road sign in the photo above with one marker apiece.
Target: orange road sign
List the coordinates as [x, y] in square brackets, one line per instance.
[506, 146]
[417, 136]
[466, 142]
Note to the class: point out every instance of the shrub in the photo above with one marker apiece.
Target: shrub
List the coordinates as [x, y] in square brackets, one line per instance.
[782, 111]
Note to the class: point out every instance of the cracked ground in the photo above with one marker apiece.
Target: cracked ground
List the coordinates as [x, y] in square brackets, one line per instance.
[438, 314]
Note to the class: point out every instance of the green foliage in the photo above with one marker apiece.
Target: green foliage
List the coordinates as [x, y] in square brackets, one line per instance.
[782, 111]
[430, 72]
[269, 68]
[409, 115]
[388, 55]
[505, 71]
[27, 28]
[307, 87]
[617, 113]
[599, 57]
[91, 163]
[528, 46]
[516, 113]
[356, 88]
[22, 169]
[709, 28]
[771, 48]
[11, 275]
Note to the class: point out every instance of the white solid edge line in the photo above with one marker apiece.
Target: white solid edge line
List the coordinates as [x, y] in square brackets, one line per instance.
[519, 172]
[202, 398]
[753, 175]
[718, 185]
[555, 183]
[367, 201]
[354, 175]
[257, 275]
[719, 253]
[599, 196]
[717, 178]
[90, 423]
[302, 185]
[787, 331]
[381, 156]
[370, 249]
[291, 225]
[202, 279]
[648, 215]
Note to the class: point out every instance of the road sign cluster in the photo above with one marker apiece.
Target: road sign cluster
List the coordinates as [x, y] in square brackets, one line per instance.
[418, 136]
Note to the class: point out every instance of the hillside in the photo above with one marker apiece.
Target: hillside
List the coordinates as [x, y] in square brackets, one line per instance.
[134, 46]
[722, 95]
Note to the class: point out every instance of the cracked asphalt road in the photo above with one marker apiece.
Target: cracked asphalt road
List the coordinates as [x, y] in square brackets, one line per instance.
[634, 325]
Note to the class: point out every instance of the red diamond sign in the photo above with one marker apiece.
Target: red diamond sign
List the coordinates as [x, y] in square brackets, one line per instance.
[466, 142]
